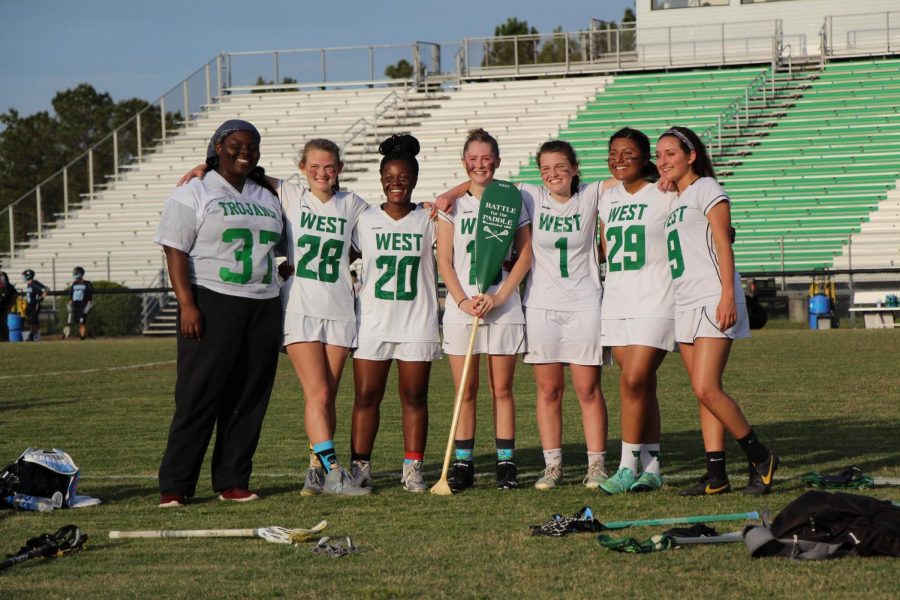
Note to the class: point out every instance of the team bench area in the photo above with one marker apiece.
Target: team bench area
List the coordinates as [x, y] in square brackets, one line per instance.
[873, 307]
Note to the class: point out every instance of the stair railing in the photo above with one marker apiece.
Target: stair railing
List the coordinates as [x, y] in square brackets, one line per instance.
[733, 110]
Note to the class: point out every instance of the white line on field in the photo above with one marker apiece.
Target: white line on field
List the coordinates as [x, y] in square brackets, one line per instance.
[80, 371]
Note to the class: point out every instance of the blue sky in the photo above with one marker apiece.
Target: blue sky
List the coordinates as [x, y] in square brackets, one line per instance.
[142, 48]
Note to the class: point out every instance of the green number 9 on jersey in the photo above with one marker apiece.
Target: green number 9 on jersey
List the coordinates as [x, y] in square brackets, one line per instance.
[498, 218]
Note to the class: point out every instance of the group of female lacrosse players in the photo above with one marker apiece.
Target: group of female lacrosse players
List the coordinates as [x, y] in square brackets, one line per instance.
[667, 254]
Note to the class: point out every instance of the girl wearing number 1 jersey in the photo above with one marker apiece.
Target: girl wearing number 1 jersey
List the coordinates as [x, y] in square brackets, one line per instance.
[638, 303]
[562, 308]
[710, 309]
[398, 316]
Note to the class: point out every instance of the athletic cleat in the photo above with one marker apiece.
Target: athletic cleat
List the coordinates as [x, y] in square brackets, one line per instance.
[596, 475]
[647, 482]
[238, 494]
[312, 485]
[762, 476]
[619, 483]
[172, 500]
[361, 471]
[462, 475]
[551, 478]
[707, 486]
[507, 475]
[412, 477]
[338, 482]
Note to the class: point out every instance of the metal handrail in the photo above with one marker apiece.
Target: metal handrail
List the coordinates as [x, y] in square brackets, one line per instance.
[734, 110]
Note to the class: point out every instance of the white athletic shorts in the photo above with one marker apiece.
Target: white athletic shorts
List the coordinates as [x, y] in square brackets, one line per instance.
[556, 336]
[490, 339]
[302, 328]
[407, 351]
[655, 332]
[701, 323]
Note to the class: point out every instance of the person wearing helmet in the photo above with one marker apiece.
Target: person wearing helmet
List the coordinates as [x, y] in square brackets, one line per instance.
[81, 299]
[8, 295]
[34, 293]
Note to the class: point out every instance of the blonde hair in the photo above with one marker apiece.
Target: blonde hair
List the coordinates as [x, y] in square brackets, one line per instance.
[480, 135]
[324, 145]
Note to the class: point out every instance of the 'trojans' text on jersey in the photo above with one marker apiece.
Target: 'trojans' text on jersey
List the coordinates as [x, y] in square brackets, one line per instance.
[231, 209]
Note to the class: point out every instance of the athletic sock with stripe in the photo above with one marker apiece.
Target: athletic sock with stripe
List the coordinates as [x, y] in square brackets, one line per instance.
[465, 449]
[631, 453]
[505, 449]
[650, 458]
[325, 452]
[409, 457]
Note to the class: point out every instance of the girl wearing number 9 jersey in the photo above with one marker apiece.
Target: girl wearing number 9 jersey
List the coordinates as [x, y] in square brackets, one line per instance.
[638, 303]
[710, 309]
[398, 316]
[218, 234]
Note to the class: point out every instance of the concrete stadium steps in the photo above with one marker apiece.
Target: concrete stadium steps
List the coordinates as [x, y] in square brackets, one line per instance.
[877, 244]
[520, 114]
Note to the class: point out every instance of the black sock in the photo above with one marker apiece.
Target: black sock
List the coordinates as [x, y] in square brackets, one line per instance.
[754, 449]
[465, 449]
[365, 457]
[715, 465]
[505, 448]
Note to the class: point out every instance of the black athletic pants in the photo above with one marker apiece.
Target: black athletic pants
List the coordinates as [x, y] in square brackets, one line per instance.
[224, 381]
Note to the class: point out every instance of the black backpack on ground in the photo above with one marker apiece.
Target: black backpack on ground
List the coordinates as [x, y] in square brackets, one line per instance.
[820, 525]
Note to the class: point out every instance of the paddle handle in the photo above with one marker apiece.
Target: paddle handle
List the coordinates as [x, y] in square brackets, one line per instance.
[457, 404]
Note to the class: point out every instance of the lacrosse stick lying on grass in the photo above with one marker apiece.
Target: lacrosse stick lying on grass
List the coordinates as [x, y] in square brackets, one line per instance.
[276, 535]
[584, 521]
[849, 478]
[66, 540]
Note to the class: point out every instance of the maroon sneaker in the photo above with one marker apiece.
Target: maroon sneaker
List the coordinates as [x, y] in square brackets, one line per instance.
[172, 500]
[238, 494]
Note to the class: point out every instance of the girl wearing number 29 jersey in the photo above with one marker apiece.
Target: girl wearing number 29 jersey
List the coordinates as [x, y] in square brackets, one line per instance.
[218, 234]
[710, 310]
[637, 305]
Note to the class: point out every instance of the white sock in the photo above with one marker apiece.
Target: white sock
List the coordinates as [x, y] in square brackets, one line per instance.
[630, 455]
[650, 458]
[553, 457]
[597, 457]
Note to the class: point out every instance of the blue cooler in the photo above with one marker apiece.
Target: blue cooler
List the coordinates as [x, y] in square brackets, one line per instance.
[819, 306]
[15, 322]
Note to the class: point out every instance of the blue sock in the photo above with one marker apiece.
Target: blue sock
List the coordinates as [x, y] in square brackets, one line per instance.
[465, 449]
[505, 449]
[325, 452]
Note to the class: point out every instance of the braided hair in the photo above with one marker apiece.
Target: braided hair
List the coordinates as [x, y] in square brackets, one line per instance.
[403, 147]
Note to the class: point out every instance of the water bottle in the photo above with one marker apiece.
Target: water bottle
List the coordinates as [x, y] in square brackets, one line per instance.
[26, 502]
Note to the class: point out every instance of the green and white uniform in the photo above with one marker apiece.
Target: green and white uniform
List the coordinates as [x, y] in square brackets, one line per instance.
[398, 317]
[503, 329]
[224, 378]
[694, 266]
[318, 300]
[563, 293]
[228, 235]
[639, 301]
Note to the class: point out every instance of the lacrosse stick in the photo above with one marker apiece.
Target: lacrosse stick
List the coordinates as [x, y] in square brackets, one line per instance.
[849, 478]
[732, 536]
[276, 535]
[496, 236]
[442, 488]
[682, 520]
[66, 540]
[68, 328]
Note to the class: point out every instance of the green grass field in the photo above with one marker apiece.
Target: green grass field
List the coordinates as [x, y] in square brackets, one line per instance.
[824, 400]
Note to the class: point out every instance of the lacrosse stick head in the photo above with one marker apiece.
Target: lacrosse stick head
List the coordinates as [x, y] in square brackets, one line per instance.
[276, 535]
[441, 488]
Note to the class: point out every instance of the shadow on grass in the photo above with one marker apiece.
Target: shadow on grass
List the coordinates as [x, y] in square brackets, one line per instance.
[13, 404]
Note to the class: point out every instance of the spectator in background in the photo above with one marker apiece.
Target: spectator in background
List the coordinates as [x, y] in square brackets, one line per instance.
[8, 295]
[81, 299]
[34, 293]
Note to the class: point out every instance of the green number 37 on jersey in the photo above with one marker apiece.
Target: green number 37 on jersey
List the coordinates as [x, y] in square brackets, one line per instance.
[244, 254]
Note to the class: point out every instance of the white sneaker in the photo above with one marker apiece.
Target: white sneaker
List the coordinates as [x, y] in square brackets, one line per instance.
[551, 478]
[412, 477]
[596, 475]
[312, 484]
[361, 472]
[338, 482]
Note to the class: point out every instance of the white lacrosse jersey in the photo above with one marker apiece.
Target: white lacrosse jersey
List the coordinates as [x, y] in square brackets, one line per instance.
[398, 298]
[565, 268]
[464, 218]
[638, 282]
[318, 245]
[692, 256]
[229, 235]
